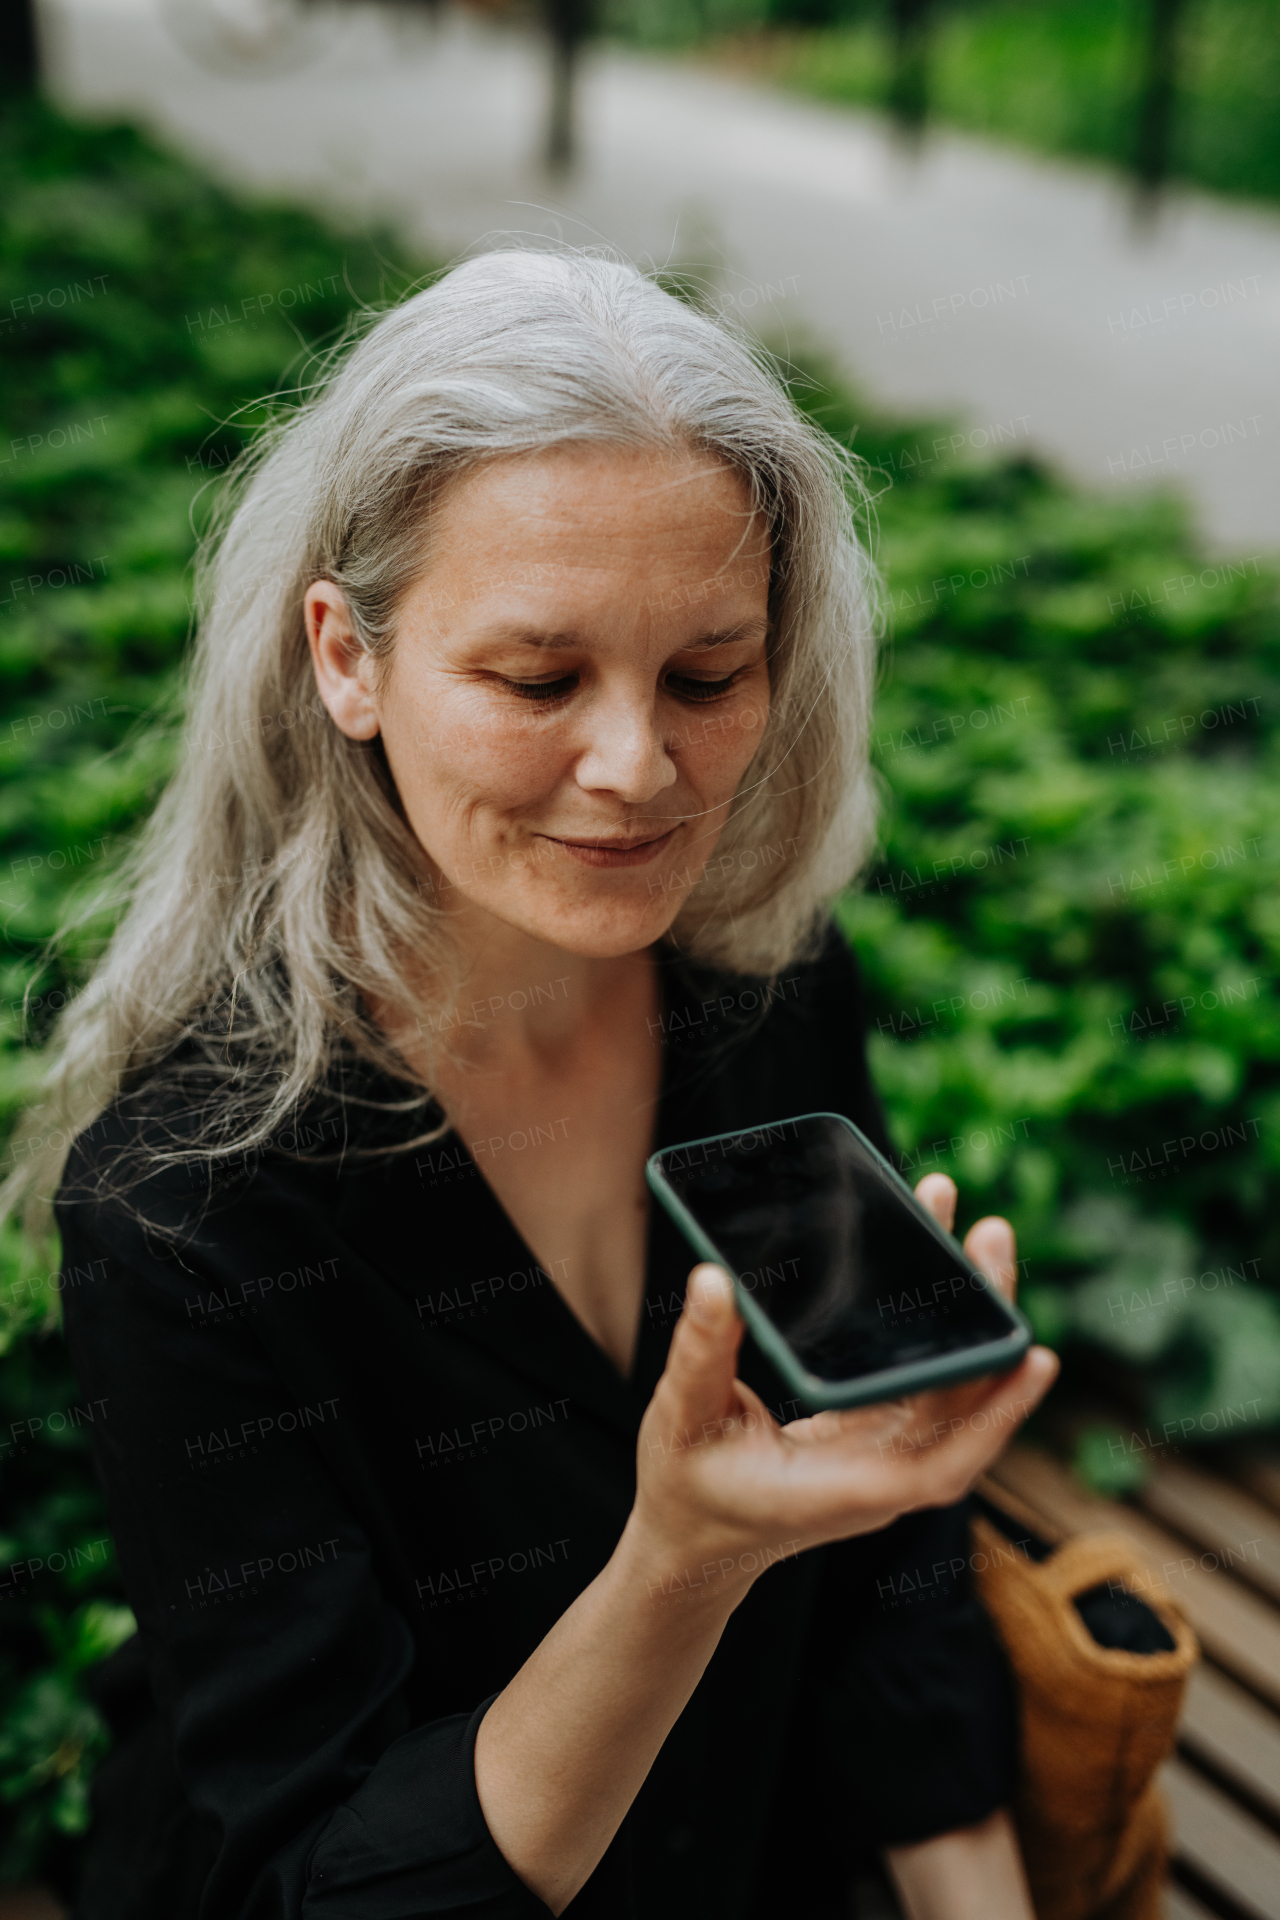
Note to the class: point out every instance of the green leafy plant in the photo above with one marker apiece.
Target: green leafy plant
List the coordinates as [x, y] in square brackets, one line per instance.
[142, 315]
[51, 1736]
[1062, 76]
[1071, 937]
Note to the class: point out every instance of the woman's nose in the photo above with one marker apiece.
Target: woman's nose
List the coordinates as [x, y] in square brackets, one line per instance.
[625, 753]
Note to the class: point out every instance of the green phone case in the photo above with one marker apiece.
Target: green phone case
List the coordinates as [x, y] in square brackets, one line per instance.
[815, 1395]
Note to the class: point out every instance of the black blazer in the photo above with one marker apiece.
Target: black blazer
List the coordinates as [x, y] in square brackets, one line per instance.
[360, 1456]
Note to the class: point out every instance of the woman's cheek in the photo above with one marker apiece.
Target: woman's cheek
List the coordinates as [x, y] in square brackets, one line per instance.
[717, 747]
[503, 758]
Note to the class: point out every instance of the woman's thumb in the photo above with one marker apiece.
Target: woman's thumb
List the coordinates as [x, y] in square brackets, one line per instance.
[704, 1348]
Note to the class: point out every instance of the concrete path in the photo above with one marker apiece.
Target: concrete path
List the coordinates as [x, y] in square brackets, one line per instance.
[1013, 293]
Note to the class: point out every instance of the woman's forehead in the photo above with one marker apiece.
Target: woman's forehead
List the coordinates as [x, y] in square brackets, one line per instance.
[609, 492]
[583, 520]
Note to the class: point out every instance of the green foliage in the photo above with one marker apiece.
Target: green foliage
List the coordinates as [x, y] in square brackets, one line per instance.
[58, 1578]
[679, 23]
[1060, 76]
[1105, 1462]
[1072, 934]
[51, 1736]
[142, 315]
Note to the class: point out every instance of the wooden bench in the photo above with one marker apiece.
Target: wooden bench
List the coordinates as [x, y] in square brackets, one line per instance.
[1211, 1540]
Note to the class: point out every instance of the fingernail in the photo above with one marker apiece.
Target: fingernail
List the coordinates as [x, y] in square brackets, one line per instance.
[709, 1288]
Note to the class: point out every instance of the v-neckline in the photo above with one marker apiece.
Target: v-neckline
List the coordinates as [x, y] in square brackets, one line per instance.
[499, 1208]
[505, 1222]
[545, 1339]
[500, 1211]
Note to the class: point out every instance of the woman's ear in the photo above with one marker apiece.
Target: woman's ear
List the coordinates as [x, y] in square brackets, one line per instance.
[343, 668]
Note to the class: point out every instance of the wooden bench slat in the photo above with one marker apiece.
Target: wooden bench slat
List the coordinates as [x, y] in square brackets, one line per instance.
[1233, 1734]
[1236, 1628]
[1017, 1511]
[1258, 1469]
[1227, 1848]
[1210, 1511]
[1181, 1905]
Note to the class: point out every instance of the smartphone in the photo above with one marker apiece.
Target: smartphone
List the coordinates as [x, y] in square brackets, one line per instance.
[846, 1282]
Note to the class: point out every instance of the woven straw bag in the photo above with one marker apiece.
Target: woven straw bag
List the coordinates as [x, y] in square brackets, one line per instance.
[1096, 1721]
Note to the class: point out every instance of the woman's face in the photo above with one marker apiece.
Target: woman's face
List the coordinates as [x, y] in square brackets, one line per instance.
[578, 683]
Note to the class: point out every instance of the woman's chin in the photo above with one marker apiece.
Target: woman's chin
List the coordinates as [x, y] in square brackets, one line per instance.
[604, 930]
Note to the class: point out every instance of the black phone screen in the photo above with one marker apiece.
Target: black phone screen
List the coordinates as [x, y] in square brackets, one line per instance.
[827, 1245]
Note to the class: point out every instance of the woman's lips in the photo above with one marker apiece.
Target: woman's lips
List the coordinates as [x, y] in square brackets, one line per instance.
[613, 853]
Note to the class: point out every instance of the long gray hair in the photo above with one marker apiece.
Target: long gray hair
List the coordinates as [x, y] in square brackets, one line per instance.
[277, 890]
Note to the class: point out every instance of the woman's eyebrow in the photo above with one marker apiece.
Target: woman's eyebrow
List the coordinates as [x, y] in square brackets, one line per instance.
[725, 637]
[534, 637]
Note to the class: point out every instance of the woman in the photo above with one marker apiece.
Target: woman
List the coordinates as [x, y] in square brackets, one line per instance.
[527, 741]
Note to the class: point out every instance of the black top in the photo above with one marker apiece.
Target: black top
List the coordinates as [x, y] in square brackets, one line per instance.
[360, 1456]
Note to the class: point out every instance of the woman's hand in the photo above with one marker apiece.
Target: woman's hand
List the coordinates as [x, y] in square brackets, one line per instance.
[724, 1491]
[989, 1243]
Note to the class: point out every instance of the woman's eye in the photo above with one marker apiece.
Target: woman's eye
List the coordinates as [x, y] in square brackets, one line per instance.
[686, 688]
[545, 690]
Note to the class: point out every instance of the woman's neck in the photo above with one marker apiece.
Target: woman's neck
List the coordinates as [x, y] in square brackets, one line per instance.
[521, 1001]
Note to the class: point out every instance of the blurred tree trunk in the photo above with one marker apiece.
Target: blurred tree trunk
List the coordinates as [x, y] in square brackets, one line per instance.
[1159, 85]
[568, 23]
[908, 89]
[19, 68]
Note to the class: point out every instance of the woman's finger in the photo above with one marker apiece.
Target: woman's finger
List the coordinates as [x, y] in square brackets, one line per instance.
[863, 1424]
[951, 1453]
[938, 1193]
[991, 1246]
[928, 1423]
[749, 1403]
[697, 1384]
